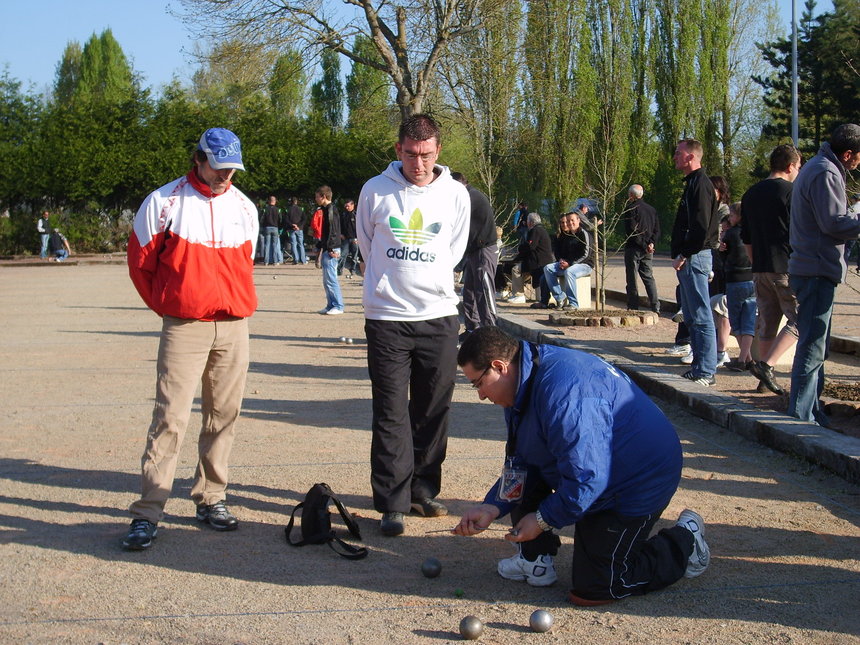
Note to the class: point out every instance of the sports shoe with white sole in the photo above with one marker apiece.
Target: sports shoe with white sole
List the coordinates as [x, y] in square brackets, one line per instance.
[520, 299]
[707, 381]
[687, 359]
[540, 573]
[678, 350]
[701, 555]
[722, 358]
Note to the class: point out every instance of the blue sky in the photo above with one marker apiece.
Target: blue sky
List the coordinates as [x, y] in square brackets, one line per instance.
[33, 35]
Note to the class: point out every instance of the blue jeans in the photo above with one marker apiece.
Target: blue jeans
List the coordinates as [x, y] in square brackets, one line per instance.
[272, 245]
[43, 253]
[740, 300]
[332, 288]
[815, 297]
[696, 305]
[348, 257]
[551, 273]
[297, 241]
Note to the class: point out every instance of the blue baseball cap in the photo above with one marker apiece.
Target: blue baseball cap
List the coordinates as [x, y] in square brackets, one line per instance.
[222, 148]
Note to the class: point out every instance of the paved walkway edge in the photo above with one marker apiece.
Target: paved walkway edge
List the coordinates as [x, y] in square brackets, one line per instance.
[836, 452]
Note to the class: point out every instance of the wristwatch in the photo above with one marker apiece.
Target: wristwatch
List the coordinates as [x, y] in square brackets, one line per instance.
[540, 522]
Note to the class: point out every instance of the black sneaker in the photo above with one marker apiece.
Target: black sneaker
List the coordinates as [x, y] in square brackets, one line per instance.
[392, 524]
[141, 533]
[429, 507]
[764, 373]
[707, 381]
[737, 366]
[217, 516]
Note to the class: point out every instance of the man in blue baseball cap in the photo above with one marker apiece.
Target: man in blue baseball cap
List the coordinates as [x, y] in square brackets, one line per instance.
[191, 258]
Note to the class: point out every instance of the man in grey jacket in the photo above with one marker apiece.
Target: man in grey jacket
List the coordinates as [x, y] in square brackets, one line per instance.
[820, 225]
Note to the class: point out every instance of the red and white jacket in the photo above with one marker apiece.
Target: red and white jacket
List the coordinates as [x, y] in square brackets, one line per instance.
[191, 253]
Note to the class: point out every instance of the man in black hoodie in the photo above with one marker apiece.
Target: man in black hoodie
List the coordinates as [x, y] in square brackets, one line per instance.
[694, 234]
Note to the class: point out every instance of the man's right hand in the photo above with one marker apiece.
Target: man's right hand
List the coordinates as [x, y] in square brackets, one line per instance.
[476, 519]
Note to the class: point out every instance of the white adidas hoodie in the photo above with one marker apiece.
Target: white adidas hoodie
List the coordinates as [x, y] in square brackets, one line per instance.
[411, 238]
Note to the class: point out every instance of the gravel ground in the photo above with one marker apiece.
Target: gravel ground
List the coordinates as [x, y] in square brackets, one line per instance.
[78, 361]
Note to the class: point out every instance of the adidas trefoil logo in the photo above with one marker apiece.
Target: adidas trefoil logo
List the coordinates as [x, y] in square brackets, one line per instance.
[414, 231]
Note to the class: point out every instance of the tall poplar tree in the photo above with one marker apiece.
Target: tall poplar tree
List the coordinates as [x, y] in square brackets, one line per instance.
[560, 95]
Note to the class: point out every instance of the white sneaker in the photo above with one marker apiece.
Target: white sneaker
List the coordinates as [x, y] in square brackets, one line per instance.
[678, 350]
[722, 358]
[334, 312]
[540, 573]
[688, 358]
[520, 299]
[701, 555]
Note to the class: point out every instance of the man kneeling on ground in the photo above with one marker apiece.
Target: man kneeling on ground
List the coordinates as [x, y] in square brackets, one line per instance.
[587, 447]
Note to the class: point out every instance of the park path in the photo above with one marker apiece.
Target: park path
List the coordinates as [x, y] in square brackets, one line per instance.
[77, 356]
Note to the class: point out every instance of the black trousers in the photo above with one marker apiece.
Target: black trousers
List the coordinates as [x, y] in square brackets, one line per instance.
[479, 301]
[412, 367]
[613, 557]
[636, 260]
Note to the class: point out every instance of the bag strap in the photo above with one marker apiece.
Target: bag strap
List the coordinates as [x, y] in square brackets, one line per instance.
[348, 519]
[352, 552]
[289, 528]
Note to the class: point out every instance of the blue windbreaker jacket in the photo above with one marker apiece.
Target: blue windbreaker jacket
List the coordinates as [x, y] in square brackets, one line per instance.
[592, 435]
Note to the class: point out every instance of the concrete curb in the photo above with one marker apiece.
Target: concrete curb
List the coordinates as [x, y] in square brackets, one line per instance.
[834, 451]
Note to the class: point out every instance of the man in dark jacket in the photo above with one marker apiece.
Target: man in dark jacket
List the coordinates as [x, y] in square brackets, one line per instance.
[573, 250]
[295, 225]
[480, 261]
[642, 228]
[348, 240]
[766, 208]
[536, 253]
[820, 224]
[586, 447]
[270, 221]
[694, 234]
[329, 251]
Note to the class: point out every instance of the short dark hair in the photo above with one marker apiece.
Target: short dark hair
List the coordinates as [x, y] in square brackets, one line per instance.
[485, 345]
[722, 187]
[782, 157]
[324, 191]
[419, 127]
[845, 137]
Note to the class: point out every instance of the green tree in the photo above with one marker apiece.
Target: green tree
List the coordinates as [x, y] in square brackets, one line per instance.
[287, 85]
[327, 93]
[481, 75]
[560, 96]
[828, 85]
[68, 75]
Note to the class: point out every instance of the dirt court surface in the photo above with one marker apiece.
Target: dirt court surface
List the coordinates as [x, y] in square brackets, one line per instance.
[78, 373]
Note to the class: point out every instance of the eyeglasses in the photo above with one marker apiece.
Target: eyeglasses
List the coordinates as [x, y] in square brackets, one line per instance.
[476, 384]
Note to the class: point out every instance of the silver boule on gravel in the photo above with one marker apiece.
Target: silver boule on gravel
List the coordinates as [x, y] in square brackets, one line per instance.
[471, 628]
[431, 568]
[541, 621]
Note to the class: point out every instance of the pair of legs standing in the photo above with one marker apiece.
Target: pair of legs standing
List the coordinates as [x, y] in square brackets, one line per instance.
[412, 367]
[637, 261]
[696, 305]
[479, 302]
[333, 297]
[214, 353]
[815, 296]
[297, 242]
[272, 246]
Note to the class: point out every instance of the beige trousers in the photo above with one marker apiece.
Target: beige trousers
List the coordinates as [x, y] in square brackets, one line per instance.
[191, 352]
